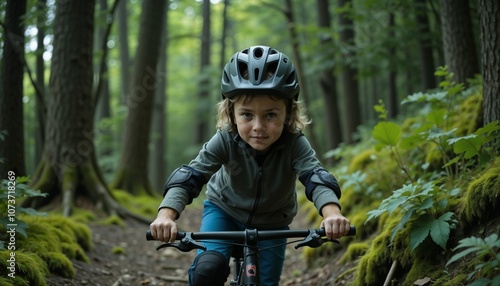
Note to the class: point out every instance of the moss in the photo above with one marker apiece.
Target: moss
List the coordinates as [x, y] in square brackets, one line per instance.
[29, 269]
[482, 198]
[362, 160]
[58, 264]
[118, 250]
[113, 220]
[143, 205]
[83, 215]
[470, 116]
[374, 265]
[422, 268]
[459, 279]
[354, 251]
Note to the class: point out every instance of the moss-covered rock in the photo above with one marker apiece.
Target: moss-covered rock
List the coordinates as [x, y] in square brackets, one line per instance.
[482, 199]
[29, 269]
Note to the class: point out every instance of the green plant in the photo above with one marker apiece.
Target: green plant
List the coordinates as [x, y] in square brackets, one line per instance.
[12, 191]
[425, 205]
[482, 248]
[470, 146]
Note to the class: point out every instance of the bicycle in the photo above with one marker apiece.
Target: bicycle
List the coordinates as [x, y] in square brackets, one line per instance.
[245, 254]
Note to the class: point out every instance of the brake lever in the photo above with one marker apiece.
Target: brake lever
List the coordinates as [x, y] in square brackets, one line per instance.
[314, 240]
[186, 244]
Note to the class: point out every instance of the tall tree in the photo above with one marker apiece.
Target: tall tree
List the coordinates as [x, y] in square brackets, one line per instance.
[489, 18]
[204, 84]
[458, 39]
[392, 104]
[11, 97]
[132, 173]
[68, 168]
[350, 88]
[294, 39]
[328, 82]
[159, 134]
[425, 45]
[40, 79]
[124, 49]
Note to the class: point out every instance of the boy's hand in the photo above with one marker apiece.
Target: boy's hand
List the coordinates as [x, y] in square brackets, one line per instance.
[164, 228]
[334, 223]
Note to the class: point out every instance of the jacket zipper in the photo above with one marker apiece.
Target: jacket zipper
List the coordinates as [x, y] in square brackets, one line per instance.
[257, 197]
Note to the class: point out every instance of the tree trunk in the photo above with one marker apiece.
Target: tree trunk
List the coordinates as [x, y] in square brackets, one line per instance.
[424, 35]
[352, 109]
[300, 71]
[103, 105]
[132, 174]
[328, 83]
[489, 18]
[68, 171]
[458, 40]
[11, 97]
[204, 84]
[393, 102]
[124, 50]
[159, 134]
[40, 80]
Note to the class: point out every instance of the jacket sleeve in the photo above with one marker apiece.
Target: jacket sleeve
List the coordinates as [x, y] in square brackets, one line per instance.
[209, 160]
[306, 164]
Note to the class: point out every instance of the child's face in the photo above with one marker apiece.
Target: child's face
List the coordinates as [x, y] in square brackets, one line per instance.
[260, 120]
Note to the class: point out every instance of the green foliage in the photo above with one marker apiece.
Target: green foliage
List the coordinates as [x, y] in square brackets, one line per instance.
[470, 146]
[12, 192]
[421, 203]
[488, 251]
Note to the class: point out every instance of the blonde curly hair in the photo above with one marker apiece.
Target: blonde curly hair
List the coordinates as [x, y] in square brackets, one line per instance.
[296, 118]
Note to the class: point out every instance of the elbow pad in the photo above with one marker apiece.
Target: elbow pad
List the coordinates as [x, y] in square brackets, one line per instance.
[187, 178]
[319, 176]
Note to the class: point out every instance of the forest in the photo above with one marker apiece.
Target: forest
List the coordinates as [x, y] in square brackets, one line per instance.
[101, 100]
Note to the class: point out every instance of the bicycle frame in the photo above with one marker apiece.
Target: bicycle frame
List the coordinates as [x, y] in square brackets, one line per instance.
[248, 239]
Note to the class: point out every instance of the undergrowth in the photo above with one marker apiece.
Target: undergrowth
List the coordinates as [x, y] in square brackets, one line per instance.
[419, 185]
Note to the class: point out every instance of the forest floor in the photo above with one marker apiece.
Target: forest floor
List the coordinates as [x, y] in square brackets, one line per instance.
[141, 264]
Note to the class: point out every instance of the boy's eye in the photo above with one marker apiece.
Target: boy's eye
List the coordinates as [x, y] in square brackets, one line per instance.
[246, 115]
[271, 115]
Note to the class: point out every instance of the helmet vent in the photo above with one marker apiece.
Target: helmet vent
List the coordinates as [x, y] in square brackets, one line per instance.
[291, 78]
[257, 53]
[256, 74]
[243, 69]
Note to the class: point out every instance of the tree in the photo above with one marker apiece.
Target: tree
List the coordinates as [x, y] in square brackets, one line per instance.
[11, 98]
[458, 39]
[159, 134]
[328, 83]
[350, 94]
[425, 45]
[489, 18]
[132, 174]
[204, 83]
[68, 168]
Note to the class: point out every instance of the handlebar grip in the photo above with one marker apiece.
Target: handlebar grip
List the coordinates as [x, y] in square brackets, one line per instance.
[352, 231]
[149, 236]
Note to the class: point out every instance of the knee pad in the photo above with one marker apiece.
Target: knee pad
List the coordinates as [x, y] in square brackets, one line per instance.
[209, 267]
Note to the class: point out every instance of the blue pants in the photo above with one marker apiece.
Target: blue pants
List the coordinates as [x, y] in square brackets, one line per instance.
[270, 260]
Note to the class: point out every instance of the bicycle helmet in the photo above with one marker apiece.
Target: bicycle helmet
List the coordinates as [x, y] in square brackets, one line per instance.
[260, 70]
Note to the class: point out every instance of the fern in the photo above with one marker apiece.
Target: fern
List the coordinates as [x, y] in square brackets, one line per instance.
[482, 248]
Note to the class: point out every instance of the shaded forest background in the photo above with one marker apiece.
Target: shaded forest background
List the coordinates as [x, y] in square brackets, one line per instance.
[99, 96]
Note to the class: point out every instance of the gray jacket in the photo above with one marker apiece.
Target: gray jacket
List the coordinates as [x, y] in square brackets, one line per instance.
[258, 195]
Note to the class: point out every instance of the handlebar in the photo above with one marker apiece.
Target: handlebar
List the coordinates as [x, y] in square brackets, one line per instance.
[312, 237]
[262, 234]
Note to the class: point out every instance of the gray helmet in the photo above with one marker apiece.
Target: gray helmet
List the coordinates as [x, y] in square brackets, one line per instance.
[260, 70]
